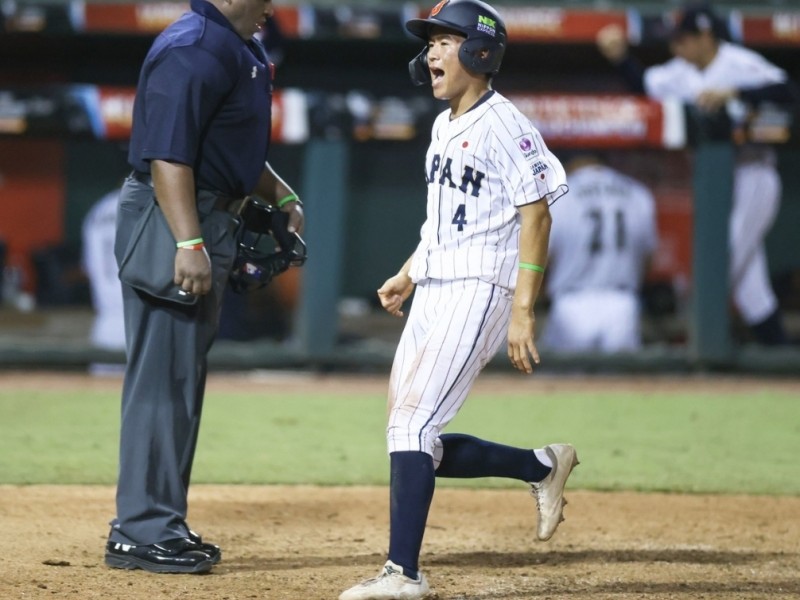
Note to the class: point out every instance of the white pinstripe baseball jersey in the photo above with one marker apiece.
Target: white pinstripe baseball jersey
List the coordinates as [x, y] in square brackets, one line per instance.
[757, 186]
[479, 168]
[733, 67]
[602, 233]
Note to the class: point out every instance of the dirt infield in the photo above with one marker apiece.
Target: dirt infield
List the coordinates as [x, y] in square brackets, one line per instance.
[305, 543]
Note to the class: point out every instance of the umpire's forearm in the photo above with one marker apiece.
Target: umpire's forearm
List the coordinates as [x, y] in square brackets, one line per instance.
[175, 193]
[271, 187]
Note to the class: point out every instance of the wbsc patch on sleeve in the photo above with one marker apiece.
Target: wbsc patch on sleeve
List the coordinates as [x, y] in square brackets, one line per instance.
[526, 145]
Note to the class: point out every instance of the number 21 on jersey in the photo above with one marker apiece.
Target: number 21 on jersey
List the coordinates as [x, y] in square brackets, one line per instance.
[619, 232]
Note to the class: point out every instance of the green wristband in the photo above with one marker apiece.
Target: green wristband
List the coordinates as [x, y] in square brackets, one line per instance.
[286, 199]
[190, 242]
[531, 267]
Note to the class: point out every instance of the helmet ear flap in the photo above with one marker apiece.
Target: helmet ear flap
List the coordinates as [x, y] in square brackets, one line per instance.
[418, 68]
[470, 55]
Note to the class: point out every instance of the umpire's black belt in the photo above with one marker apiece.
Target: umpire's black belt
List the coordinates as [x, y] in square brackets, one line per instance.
[223, 202]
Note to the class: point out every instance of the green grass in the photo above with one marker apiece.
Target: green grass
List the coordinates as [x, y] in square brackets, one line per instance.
[666, 442]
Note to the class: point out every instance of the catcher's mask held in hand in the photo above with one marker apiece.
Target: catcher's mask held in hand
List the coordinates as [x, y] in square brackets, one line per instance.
[265, 247]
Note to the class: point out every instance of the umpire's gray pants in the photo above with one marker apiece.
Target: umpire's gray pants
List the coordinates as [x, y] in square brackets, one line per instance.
[162, 397]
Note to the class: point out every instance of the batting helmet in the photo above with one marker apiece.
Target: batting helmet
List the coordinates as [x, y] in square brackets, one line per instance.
[265, 247]
[481, 52]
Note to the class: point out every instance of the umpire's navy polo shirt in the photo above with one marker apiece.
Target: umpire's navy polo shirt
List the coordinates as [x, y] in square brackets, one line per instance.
[204, 99]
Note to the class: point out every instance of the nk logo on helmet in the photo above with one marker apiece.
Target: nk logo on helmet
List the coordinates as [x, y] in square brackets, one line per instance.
[487, 25]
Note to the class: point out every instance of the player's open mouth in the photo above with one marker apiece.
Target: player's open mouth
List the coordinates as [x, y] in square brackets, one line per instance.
[436, 75]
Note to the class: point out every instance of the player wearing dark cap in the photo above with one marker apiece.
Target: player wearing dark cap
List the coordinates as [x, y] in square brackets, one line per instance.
[697, 19]
[714, 74]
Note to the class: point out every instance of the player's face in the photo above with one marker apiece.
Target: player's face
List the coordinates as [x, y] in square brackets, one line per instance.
[449, 78]
[248, 16]
[691, 48]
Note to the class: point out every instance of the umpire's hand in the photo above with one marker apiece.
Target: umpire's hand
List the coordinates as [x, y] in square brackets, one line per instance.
[296, 217]
[193, 271]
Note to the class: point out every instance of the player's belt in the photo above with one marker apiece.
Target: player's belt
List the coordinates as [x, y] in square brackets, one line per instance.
[226, 203]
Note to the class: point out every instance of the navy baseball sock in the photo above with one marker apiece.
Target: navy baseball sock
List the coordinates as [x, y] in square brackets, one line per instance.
[467, 456]
[411, 492]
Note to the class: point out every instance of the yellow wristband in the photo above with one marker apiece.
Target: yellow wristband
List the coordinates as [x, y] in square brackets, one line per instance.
[286, 199]
[531, 267]
[193, 242]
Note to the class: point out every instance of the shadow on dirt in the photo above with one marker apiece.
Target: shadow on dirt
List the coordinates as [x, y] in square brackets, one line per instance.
[510, 560]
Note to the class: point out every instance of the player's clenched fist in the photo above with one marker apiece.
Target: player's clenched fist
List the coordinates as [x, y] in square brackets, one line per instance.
[394, 292]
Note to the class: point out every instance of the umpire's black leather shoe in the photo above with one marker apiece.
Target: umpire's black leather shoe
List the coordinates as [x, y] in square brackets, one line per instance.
[214, 552]
[180, 555]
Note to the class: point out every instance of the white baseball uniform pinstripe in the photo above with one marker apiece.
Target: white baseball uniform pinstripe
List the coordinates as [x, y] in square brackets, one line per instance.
[601, 237]
[756, 184]
[479, 168]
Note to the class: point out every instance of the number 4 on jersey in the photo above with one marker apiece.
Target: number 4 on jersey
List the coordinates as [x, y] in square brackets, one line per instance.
[460, 218]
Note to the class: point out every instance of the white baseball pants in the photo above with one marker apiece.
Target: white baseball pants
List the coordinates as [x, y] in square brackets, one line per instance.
[593, 320]
[756, 200]
[454, 328]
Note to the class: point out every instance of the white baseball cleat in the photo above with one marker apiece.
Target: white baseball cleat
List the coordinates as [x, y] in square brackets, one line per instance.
[390, 584]
[549, 492]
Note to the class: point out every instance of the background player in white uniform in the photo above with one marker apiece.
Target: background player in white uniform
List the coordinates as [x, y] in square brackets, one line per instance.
[602, 238]
[98, 233]
[477, 271]
[712, 74]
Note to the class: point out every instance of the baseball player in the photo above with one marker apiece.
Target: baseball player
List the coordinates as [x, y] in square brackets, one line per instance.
[477, 271]
[602, 238]
[713, 74]
[199, 144]
[98, 232]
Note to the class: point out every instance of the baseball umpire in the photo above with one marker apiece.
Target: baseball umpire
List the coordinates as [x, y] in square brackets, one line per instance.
[201, 133]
